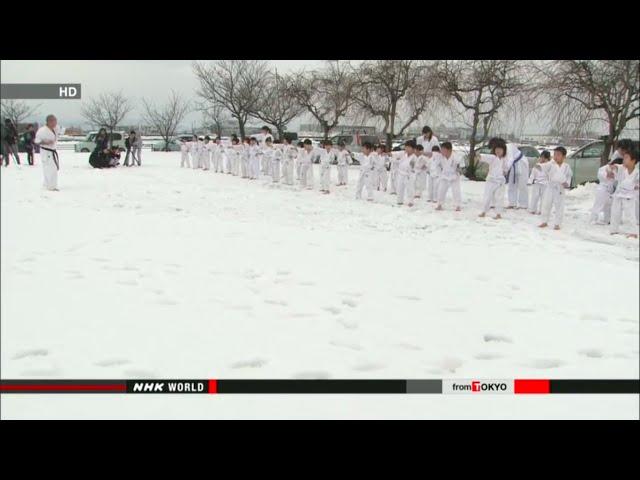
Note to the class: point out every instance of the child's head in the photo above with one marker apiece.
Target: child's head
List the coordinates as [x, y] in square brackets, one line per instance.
[328, 145]
[446, 148]
[268, 142]
[545, 156]
[235, 140]
[307, 145]
[287, 140]
[435, 148]
[300, 144]
[253, 141]
[410, 146]
[419, 149]
[624, 145]
[341, 145]
[195, 138]
[207, 139]
[498, 147]
[265, 130]
[630, 158]
[427, 132]
[367, 148]
[246, 140]
[559, 154]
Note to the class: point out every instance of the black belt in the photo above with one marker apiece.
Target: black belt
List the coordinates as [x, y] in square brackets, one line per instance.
[55, 156]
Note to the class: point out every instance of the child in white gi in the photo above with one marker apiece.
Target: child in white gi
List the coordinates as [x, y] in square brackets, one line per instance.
[421, 171]
[184, 154]
[47, 138]
[367, 159]
[381, 174]
[606, 184]
[289, 155]
[494, 183]
[559, 173]
[254, 154]
[195, 152]
[305, 158]
[428, 140]
[405, 180]
[451, 165]
[244, 157]
[327, 157]
[344, 160]
[205, 153]
[517, 178]
[217, 152]
[233, 154]
[626, 194]
[433, 169]
[538, 181]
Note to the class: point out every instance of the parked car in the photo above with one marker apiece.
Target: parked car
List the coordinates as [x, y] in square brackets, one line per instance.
[530, 152]
[89, 143]
[585, 162]
[173, 145]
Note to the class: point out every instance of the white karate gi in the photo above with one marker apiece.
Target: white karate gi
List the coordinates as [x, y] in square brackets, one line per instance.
[624, 201]
[405, 180]
[49, 155]
[289, 157]
[603, 201]
[517, 178]
[449, 178]
[393, 174]
[426, 143]
[254, 153]
[205, 155]
[434, 170]
[367, 166]
[244, 160]
[217, 155]
[495, 182]
[344, 159]
[538, 181]
[421, 174]
[305, 158]
[554, 195]
[382, 175]
[195, 153]
[184, 155]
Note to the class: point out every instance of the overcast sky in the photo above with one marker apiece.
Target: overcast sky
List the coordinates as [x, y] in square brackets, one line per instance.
[151, 79]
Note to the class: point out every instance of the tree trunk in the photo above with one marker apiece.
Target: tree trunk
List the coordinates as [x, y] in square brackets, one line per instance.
[110, 136]
[471, 162]
[608, 144]
[389, 141]
[241, 128]
[280, 129]
[326, 132]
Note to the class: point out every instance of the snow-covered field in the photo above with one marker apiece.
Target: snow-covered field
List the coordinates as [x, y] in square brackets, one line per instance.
[162, 272]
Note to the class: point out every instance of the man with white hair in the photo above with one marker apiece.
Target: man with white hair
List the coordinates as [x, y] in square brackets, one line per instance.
[47, 138]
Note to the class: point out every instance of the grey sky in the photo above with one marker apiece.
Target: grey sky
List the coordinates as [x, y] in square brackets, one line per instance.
[151, 79]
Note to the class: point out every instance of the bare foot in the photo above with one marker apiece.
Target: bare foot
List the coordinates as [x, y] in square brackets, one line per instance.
[482, 215]
[410, 204]
[557, 227]
[632, 235]
[458, 209]
[498, 217]
[439, 207]
[543, 225]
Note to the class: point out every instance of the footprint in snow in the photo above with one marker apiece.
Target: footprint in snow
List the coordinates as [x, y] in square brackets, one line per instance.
[251, 363]
[127, 282]
[307, 284]
[34, 352]
[111, 362]
[409, 346]
[409, 297]
[544, 363]
[369, 366]
[449, 364]
[488, 356]
[311, 375]
[341, 344]
[348, 324]
[522, 310]
[276, 302]
[351, 294]
[489, 337]
[591, 316]
[349, 302]
[332, 310]
[591, 353]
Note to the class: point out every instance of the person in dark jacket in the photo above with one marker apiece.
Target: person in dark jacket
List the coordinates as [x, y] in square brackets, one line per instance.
[129, 143]
[27, 139]
[103, 156]
[10, 142]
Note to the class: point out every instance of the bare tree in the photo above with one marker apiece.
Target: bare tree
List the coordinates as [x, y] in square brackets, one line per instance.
[235, 84]
[214, 116]
[326, 94]
[593, 90]
[394, 90]
[17, 110]
[167, 118]
[480, 88]
[275, 106]
[107, 110]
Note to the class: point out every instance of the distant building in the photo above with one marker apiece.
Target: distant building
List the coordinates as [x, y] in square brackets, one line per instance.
[311, 128]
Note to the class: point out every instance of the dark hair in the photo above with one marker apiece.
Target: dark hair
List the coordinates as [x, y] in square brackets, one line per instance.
[633, 153]
[7, 120]
[300, 144]
[367, 145]
[545, 154]
[207, 137]
[446, 145]
[427, 129]
[132, 131]
[235, 139]
[562, 150]
[435, 148]
[420, 148]
[328, 142]
[30, 125]
[264, 127]
[625, 144]
[341, 144]
[307, 142]
[410, 143]
[102, 130]
[496, 143]
[253, 138]
[287, 140]
[268, 139]
[617, 161]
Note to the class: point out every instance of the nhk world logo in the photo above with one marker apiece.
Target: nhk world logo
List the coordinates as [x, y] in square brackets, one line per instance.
[477, 386]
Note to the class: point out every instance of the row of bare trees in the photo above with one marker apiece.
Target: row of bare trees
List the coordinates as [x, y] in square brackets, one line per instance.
[397, 93]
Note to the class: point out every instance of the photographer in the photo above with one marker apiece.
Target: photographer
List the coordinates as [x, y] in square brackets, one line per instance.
[10, 142]
[103, 156]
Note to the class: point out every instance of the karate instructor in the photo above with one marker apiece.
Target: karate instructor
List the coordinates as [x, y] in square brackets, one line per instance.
[47, 138]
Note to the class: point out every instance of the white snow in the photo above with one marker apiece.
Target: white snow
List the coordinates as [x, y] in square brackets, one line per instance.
[162, 272]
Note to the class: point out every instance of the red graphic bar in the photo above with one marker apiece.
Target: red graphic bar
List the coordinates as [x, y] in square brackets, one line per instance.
[213, 386]
[531, 386]
[72, 388]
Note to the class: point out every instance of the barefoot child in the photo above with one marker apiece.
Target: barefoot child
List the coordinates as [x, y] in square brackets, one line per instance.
[559, 174]
[367, 161]
[433, 169]
[381, 173]
[344, 160]
[494, 183]
[538, 181]
[604, 190]
[626, 194]
[184, 154]
[421, 171]
[405, 181]
[451, 165]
